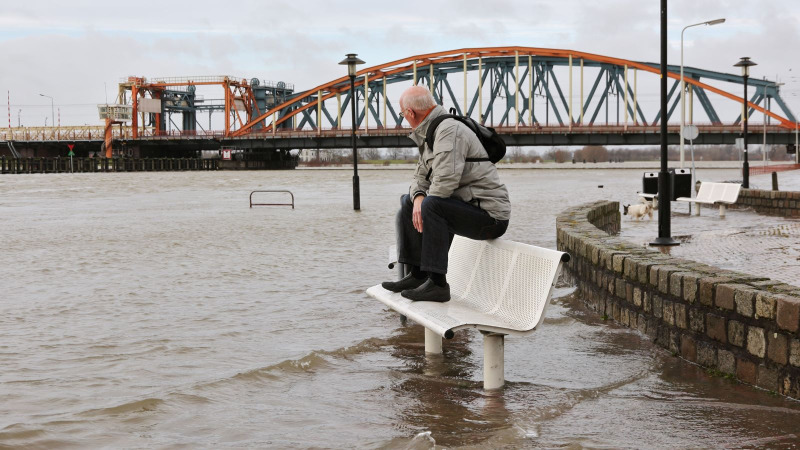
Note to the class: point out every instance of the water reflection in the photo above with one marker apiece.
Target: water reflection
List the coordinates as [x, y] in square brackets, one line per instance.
[446, 390]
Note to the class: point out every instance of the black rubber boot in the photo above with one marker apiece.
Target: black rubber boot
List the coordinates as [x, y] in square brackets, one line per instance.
[428, 292]
[407, 282]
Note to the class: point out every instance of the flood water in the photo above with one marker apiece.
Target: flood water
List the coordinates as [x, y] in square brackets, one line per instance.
[159, 310]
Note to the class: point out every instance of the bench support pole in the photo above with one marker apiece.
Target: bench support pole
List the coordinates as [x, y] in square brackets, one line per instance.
[433, 342]
[493, 360]
[722, 210]
[697, 211]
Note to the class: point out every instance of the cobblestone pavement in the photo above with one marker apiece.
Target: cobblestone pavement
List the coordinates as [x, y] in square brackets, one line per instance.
[744, 241]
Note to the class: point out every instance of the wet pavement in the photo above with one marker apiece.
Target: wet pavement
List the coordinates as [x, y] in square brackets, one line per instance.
[744, 240]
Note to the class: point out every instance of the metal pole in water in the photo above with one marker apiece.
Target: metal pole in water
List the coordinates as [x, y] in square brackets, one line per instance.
[664, 197]
[433, 342]
[351, 62]
[493, 360]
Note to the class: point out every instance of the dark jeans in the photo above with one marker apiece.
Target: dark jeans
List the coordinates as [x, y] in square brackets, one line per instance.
[441, 219]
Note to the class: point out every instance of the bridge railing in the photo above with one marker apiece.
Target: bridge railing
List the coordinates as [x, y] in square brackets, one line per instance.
[97, 132]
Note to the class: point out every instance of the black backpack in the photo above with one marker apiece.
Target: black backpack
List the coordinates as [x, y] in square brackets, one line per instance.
[492, 142]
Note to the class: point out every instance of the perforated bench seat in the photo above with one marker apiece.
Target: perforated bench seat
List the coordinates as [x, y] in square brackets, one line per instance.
[498, 287]
[715, 193]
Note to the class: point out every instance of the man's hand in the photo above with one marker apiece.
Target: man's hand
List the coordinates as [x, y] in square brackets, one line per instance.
[416, 214]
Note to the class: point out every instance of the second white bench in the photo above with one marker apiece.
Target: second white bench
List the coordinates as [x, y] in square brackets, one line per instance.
[715, 193]
[497, 287]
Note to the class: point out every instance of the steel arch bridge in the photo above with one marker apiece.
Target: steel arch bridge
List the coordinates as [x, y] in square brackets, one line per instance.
[521, 91]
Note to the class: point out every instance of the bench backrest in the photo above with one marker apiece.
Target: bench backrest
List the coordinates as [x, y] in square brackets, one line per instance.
[509, 280]
[731, 193]
[718, 192]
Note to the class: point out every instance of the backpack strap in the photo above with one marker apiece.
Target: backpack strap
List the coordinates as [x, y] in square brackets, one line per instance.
[431, 133]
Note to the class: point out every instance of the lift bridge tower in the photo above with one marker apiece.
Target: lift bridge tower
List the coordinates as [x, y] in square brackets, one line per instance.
[172, 106]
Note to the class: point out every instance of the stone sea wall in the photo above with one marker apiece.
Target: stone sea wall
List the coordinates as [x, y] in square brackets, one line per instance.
[733, 323]
[774, 203]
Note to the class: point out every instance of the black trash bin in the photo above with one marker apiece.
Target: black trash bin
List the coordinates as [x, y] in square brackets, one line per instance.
[650, 183]
[681, 183]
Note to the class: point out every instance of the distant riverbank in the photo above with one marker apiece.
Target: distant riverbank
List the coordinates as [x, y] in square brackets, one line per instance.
[653, 165]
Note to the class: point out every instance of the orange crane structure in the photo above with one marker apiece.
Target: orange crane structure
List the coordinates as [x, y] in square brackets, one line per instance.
[155, 95]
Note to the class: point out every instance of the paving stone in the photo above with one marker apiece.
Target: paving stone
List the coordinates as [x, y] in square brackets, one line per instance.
[794, 353]
[767, 378]
[688, 348]
[756, 246]
[706, 288]
[724, 296]
[715, 328]
[676, 284]
[658, 310]
[637, 297]
[746, 370]
[726, 362]
[642, 324]
[669, 312]
[654, 275]
[631, 269]
[664, 274]
[644, 271]
[756, 344]
[696, 320]
[788, 313]
[680, 315]
[618, 262]
[706, 355]
[674, 342]
[777, 348]
[619, 287]
[736, 332]
[690, 283]
[745, 301]
[766, 303]
[652, 328]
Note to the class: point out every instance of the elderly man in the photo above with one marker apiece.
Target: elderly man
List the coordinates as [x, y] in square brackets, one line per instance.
[448, 195]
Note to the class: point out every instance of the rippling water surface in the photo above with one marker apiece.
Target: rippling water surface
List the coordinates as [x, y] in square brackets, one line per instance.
[158, 310]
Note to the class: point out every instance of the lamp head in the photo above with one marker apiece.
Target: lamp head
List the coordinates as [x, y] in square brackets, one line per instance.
[745, 64]
[715, 22]
[351, 61]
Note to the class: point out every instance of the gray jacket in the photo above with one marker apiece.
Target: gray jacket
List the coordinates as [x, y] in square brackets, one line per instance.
[476, 183]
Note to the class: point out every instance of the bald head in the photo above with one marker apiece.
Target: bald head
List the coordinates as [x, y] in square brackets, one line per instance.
[417, 98]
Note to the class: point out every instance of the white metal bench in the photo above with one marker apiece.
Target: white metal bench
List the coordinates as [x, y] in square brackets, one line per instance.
[715, 193]
[498, 287]
[652, 198]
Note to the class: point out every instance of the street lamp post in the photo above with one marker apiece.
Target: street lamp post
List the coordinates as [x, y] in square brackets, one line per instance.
[745, 64]
[664, 232]
[351, 61]
[683, 84]
[52, 110]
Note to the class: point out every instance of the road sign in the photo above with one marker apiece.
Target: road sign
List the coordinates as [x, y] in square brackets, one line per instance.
[740, 143]
[226, 154]
[690, 132]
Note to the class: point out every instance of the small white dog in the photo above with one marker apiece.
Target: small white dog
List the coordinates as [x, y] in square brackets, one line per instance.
[638, 211]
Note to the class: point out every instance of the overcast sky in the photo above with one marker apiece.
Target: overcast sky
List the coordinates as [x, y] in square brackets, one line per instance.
[76, 51]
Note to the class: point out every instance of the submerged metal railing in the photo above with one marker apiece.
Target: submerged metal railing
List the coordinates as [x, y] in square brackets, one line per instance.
[271, 204]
